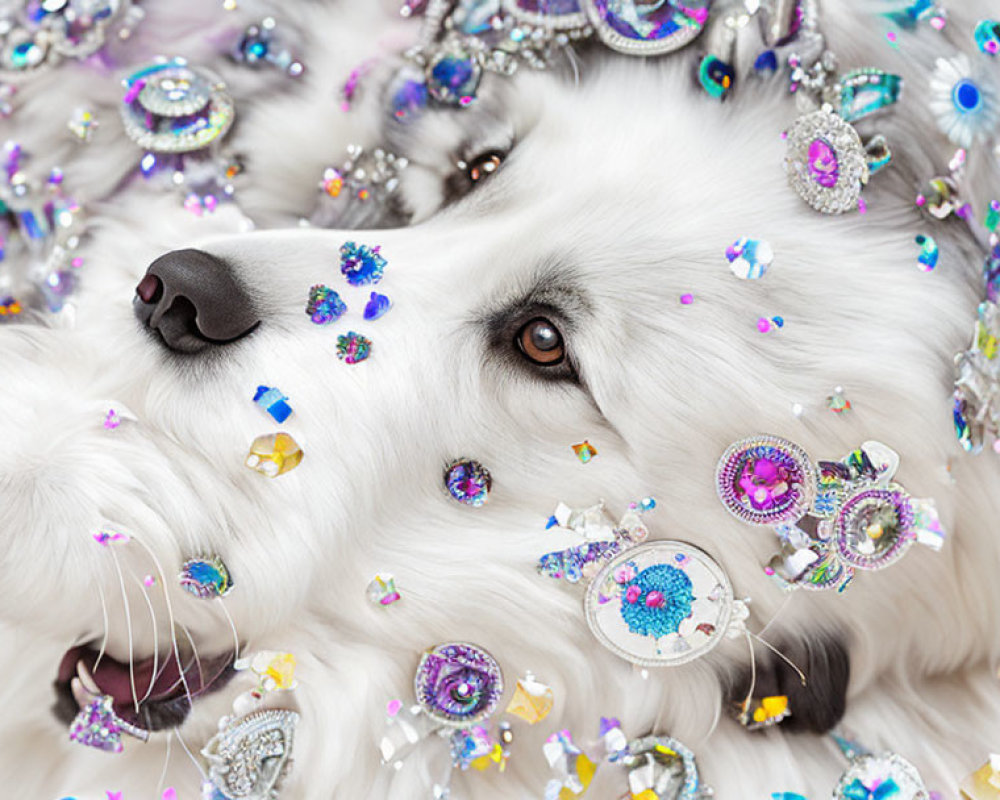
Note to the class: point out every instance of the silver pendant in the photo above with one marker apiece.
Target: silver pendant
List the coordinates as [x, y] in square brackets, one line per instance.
[249, 755]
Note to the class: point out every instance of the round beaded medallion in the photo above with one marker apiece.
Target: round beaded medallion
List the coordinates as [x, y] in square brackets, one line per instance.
[468, 482]
[765, 480]
[640, 27]
[170, 107]
[875, 527]
[885, 775]
[458, 684]
[660, 604]
[826, 162]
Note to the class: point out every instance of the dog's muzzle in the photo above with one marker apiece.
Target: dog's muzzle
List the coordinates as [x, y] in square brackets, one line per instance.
[193, 301]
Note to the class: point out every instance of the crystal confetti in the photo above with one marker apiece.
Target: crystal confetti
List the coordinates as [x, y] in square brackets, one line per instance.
[274, 454]
[353, 348]
[275, 670]
[584, 451]
[532, 701]
[574, 770]
[749, 258]
[468, 482]
[382, 590]
[928, 257]
[984, 783]
[206, 577]
[767, 712]
[97, 726]
[108, 535]
[82, 124]
[273, 402]
[837, 403]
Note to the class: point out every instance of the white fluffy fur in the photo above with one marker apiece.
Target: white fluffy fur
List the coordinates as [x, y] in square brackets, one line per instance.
[630, 185]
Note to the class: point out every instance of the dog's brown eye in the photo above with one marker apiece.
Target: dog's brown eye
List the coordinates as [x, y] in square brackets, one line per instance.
[541, 343]
[484, 165]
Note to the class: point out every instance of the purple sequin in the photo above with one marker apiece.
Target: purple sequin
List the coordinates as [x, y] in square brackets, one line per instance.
[823, 165]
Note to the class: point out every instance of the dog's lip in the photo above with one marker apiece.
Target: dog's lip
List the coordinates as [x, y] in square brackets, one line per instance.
[170, 682]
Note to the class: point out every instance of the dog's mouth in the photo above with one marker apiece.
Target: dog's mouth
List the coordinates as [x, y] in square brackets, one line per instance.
[155, 694]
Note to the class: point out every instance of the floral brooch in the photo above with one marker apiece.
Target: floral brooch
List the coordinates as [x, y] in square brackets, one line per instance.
[831, 518]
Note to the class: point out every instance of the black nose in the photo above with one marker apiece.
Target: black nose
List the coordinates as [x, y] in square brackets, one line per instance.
[193, 300]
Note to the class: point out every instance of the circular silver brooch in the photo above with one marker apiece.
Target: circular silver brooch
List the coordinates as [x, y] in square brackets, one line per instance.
[826, 162]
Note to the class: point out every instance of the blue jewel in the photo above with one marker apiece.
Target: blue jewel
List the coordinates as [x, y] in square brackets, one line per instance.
[966, 96]
[273, 402]
[987, 35]
[360, 264]
[206, 577]
[377, 306]
[453, 78]
[766, 62]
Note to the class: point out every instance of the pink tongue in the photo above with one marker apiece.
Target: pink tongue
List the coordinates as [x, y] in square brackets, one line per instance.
[112, 678]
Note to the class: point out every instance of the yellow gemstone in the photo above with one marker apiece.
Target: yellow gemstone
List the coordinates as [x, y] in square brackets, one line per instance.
[532, 701]
[281, 670]
[646, 794]
[874, 531]
[759, 715]
[774, 706]
[274, 454]
[983, 784]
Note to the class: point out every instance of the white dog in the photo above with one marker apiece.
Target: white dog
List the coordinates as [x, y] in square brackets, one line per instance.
[615, 196]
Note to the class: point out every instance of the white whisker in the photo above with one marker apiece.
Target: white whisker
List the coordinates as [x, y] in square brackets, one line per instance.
[170, 615]
[197, 658]
[128, 623]
[166, 763]
[104, 639]
[177, 733]
[156, 646]
[232, 627]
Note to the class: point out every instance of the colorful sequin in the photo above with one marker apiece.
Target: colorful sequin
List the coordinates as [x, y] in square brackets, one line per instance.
[324, 305]
[353, 348]
[206, 577]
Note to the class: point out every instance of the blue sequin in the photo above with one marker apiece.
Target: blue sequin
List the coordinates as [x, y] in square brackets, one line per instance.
[377, 305]
[674, 585]
[966, 96]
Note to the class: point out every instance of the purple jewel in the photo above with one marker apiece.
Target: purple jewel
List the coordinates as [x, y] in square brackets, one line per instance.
[823, 165]
[377, 305]
[97, 726]
[651, 22]
[458, 684]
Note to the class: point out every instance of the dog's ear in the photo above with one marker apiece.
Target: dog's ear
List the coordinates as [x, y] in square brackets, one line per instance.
[816, 707]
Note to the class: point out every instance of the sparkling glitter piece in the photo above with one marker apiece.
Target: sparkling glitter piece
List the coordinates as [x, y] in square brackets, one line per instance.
[382, 590]
[749, 258]
[353, 348]
[574, 770]
[273, 402]
[458, 684]
[274, 454]
[584, 451]
[867, 91]
[687, 299]
[532, 701]
[468, 482]
[112, 420]
[360, 264]
[206, 577]
[453, 76]
[928, 257]
[837, 403]
[109, 535]
[324, 305]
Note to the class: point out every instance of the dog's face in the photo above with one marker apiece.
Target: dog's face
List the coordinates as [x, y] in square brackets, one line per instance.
[532, 309]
